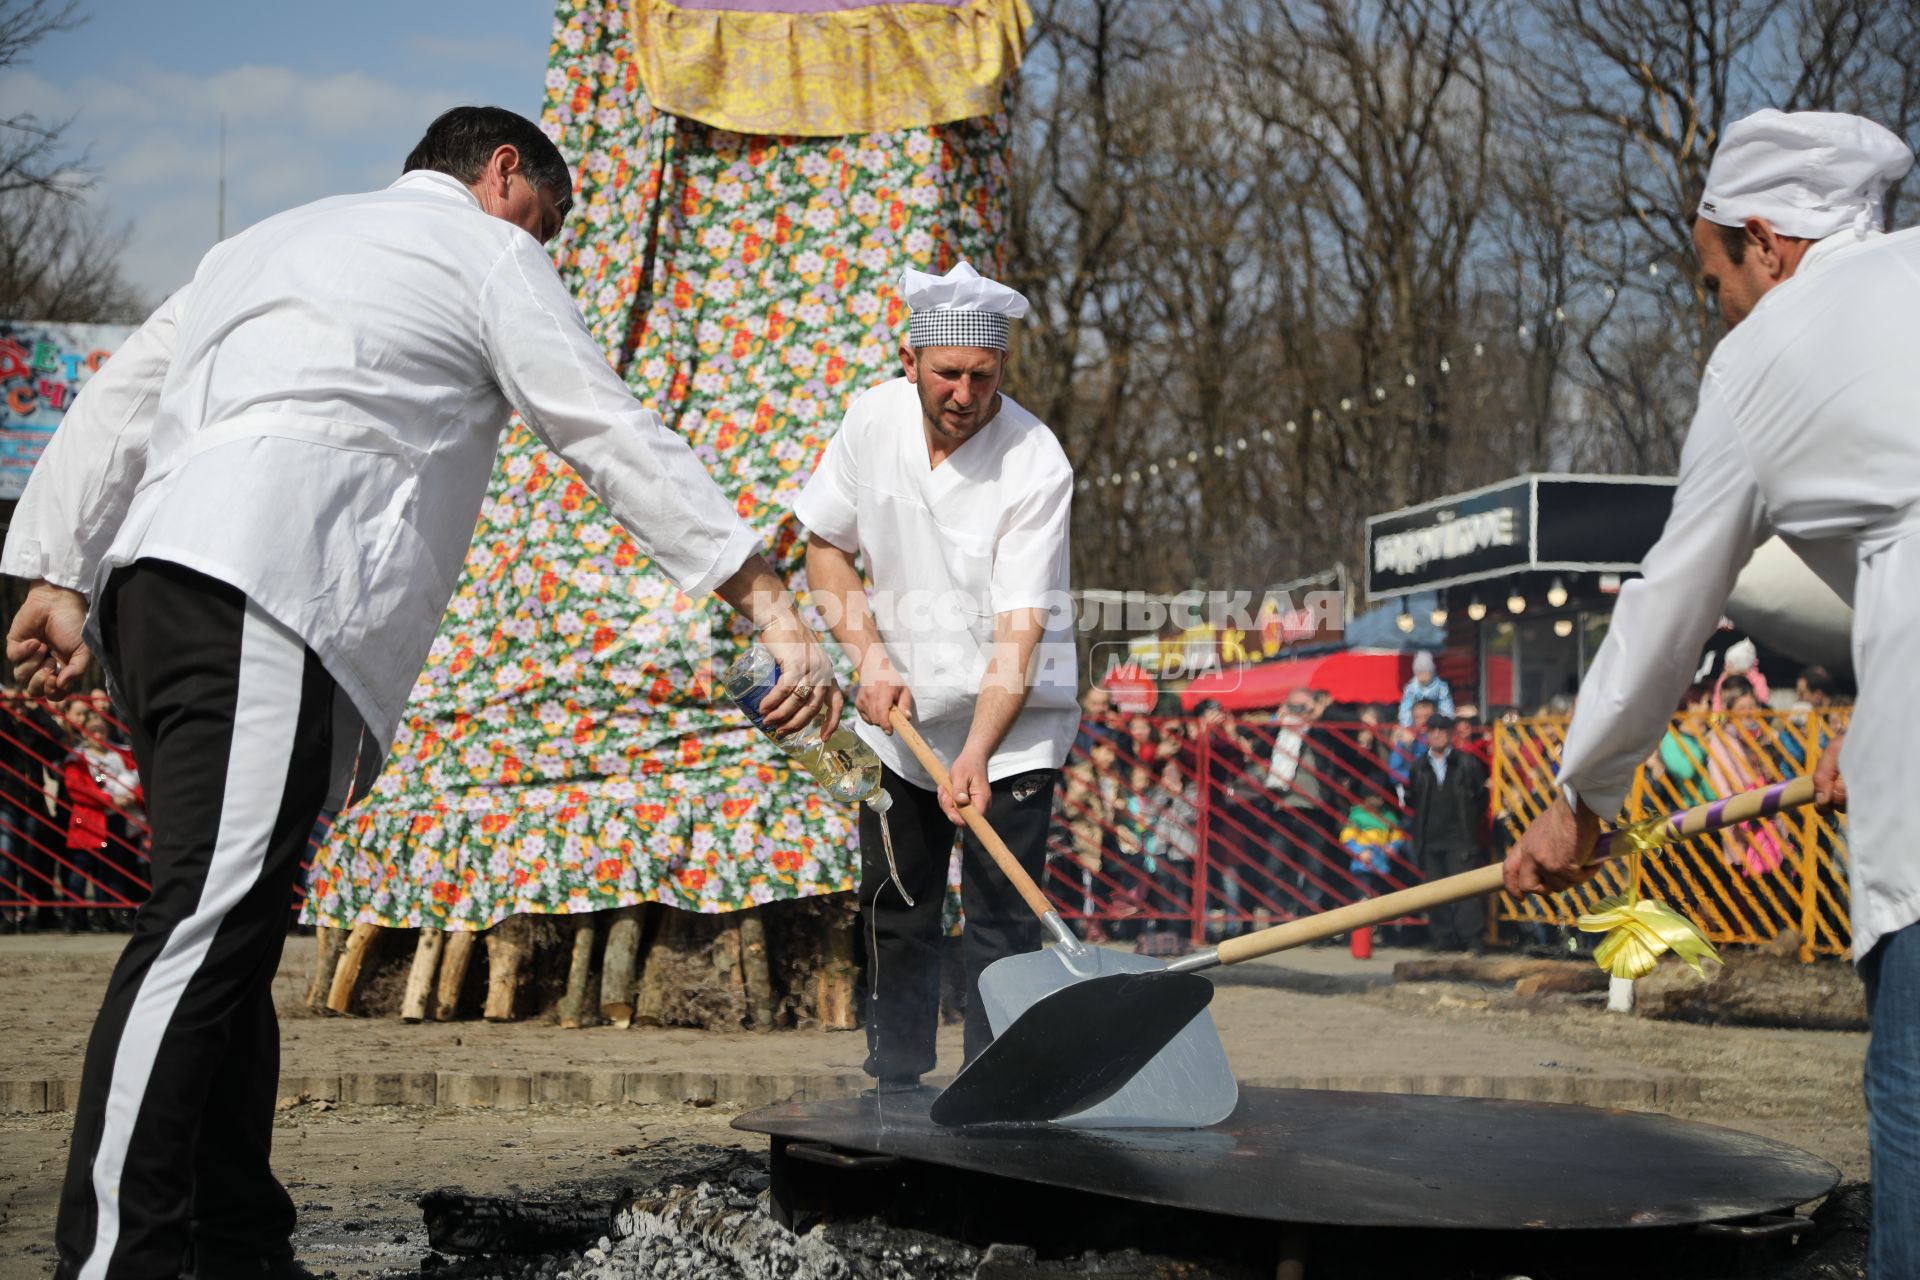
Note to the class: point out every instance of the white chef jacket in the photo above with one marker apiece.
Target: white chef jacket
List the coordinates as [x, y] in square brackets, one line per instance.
[947, 548]
[314, 417]
[1809, 427]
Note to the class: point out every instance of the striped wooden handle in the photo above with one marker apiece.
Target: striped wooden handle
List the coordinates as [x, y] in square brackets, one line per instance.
[1744, 806]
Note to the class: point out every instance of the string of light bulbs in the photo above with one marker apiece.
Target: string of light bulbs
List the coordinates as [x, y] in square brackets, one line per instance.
[1476, 609]
[1192, 458]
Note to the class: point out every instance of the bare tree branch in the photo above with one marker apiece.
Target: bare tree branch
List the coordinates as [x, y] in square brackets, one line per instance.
[32, 150]
[60, 261]
[1297, 261]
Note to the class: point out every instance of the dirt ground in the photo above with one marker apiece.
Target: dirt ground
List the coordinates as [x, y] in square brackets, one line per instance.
[354, 1170]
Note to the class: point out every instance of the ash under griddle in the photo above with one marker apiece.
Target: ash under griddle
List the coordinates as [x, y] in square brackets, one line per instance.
[706, 1218]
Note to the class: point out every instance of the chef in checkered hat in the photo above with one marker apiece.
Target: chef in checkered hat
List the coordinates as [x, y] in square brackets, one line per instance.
[956, 500]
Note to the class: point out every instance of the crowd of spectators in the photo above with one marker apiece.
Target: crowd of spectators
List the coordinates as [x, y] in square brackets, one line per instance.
[1719, 744]
[1314, 803]
[1318, 802]
[72, 822]
[1309, 804]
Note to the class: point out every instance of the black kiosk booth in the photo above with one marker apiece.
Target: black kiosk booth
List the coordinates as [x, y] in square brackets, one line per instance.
[1520, 574]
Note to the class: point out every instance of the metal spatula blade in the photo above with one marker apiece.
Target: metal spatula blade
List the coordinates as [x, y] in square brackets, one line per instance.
[1189, 1084]
[1073, 1049]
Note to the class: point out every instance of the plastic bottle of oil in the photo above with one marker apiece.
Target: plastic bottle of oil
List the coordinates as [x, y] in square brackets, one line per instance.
[842, 763]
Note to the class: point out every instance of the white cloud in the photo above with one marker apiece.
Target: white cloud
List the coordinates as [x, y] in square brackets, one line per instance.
[292, 137]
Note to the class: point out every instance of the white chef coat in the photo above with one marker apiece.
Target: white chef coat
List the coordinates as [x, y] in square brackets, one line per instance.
[314, 417]
[947, 548]
[1809, 427]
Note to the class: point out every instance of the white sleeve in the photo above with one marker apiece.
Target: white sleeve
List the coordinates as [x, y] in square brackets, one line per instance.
[829, 505]
[82, 484]
[1664, 617]
[1031, 557]
[557, 380]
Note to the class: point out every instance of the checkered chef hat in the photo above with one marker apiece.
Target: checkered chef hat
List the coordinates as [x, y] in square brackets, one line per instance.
[960, 309]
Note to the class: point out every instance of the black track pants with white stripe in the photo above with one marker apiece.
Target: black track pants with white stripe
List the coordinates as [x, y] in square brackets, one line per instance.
[231, 722]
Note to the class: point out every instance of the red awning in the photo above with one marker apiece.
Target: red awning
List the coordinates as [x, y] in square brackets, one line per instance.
[1355, 675]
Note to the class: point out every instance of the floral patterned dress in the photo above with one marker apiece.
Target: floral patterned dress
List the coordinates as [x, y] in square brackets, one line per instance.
[564, 750]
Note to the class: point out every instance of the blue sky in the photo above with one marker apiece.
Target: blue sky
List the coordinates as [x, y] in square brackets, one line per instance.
[321, 96]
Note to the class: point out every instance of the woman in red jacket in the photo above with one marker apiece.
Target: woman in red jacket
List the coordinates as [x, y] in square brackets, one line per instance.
[101, 784]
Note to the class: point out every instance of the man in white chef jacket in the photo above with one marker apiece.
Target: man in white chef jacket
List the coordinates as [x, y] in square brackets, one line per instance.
[1808, 426]
[266, 497]
[957, 500]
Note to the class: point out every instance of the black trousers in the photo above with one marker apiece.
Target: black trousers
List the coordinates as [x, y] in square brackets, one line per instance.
[231, 720]
[899, 945]
[1458, 926]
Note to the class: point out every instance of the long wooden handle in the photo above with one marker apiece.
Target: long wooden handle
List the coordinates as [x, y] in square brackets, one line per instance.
[1761, 802]
[976, 821]
[1367, 911]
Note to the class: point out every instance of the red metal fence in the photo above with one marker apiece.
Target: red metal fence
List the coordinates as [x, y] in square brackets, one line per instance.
[73, 835]
[73, 827]
[1183, 827]
[1166, 830]
[1222, 841]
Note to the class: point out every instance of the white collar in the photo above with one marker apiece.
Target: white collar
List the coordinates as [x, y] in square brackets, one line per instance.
[443, 184]
[1829, 247]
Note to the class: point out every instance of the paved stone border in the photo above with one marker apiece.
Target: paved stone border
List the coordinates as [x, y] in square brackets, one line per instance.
[509, 1090]
[517, 1090]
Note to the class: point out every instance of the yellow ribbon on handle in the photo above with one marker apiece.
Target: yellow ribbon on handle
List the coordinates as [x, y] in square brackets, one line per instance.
[1645, 835]
[1639, 930]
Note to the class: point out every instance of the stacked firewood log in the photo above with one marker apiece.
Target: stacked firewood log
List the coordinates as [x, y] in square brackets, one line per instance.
[791, 964]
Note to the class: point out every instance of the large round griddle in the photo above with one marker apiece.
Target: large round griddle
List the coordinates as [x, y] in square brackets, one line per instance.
[1322, 1157]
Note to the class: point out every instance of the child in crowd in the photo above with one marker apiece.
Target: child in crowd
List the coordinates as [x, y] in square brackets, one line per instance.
[1741, 663]
[1372, 838]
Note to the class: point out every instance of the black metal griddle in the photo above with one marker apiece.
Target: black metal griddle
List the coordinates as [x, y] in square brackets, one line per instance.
[1287, 1161]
